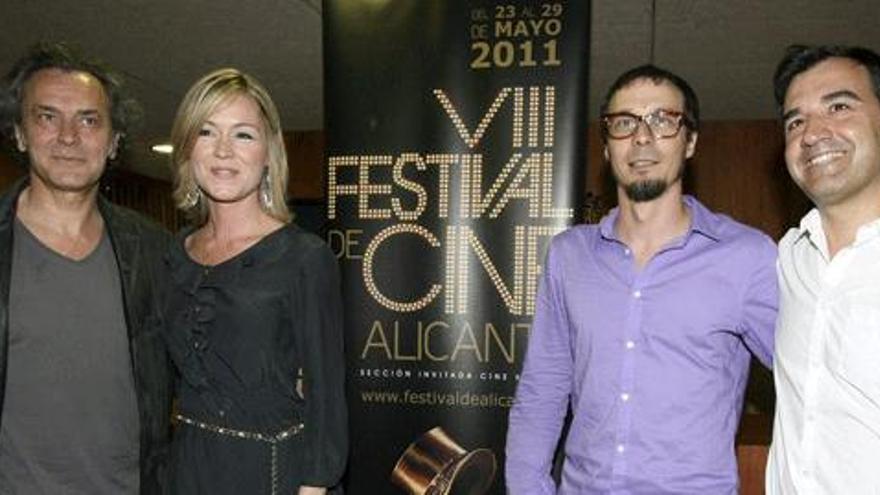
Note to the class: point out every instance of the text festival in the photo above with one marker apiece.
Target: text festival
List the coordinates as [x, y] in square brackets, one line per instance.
[401, 189]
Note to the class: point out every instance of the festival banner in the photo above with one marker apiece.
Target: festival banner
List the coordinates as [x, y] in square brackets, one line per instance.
[456, 145]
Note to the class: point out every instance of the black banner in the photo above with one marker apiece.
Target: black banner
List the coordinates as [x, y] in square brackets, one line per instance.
[456, 135]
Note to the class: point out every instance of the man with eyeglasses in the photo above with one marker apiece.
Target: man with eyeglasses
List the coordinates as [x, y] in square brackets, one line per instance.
[644, 323]
[826, 434]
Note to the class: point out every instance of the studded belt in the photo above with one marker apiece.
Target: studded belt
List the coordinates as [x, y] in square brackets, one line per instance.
[270, 438]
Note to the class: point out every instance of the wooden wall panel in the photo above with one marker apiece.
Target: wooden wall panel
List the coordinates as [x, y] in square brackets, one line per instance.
[751, 462]
[739, 169]
[151, 197]
[753, 440]
[305, 157]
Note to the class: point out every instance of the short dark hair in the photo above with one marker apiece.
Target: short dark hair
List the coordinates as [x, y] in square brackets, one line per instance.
[658, 75]
[800, 58]
[124, 110]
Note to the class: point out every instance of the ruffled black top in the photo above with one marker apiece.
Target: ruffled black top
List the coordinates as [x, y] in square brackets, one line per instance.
[257, 341]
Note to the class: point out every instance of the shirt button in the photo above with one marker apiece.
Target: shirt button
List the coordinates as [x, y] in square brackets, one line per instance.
[637, 294]
[620, 448]
[624, 396]
[630, 344]
[627, 251]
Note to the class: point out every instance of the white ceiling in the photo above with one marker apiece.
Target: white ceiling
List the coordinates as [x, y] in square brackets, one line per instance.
[727, 49]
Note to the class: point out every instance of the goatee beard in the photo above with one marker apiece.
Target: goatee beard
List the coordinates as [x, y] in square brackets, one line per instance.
[645, 190]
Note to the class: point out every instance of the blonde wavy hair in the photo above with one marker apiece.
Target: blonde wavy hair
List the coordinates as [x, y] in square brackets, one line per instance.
[203, 99]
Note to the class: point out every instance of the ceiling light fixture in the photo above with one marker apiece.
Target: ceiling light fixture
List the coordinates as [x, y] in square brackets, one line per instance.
[162, 149]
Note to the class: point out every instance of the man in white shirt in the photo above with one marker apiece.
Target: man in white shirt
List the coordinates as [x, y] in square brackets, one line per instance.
[826, 437]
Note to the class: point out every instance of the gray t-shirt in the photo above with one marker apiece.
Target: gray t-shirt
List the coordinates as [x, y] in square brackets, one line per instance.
[70, 421]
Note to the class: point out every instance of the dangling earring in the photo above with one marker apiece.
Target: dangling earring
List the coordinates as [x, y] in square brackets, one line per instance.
[266, 189]
[192, 198]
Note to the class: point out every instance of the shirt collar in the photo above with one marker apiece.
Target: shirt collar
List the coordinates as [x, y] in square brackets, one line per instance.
[703, 221]
[810, 231]
[810, 228]
[811, 224]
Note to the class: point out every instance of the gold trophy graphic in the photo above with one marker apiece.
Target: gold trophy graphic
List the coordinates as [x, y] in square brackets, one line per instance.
[435, 464]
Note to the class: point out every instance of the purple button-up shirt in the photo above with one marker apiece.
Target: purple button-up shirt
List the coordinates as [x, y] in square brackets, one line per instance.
[653, 362]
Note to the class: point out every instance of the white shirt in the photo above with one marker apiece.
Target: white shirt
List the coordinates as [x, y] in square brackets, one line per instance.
[826, 434]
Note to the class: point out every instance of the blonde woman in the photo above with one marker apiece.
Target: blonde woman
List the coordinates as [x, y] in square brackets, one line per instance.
[254, 311]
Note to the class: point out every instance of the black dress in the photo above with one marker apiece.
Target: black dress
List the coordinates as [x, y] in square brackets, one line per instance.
[257, 341]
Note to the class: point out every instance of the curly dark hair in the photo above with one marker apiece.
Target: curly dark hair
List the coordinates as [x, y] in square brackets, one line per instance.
[125, 112]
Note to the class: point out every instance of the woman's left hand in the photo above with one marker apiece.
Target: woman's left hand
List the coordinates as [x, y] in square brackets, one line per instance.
[312, 490]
